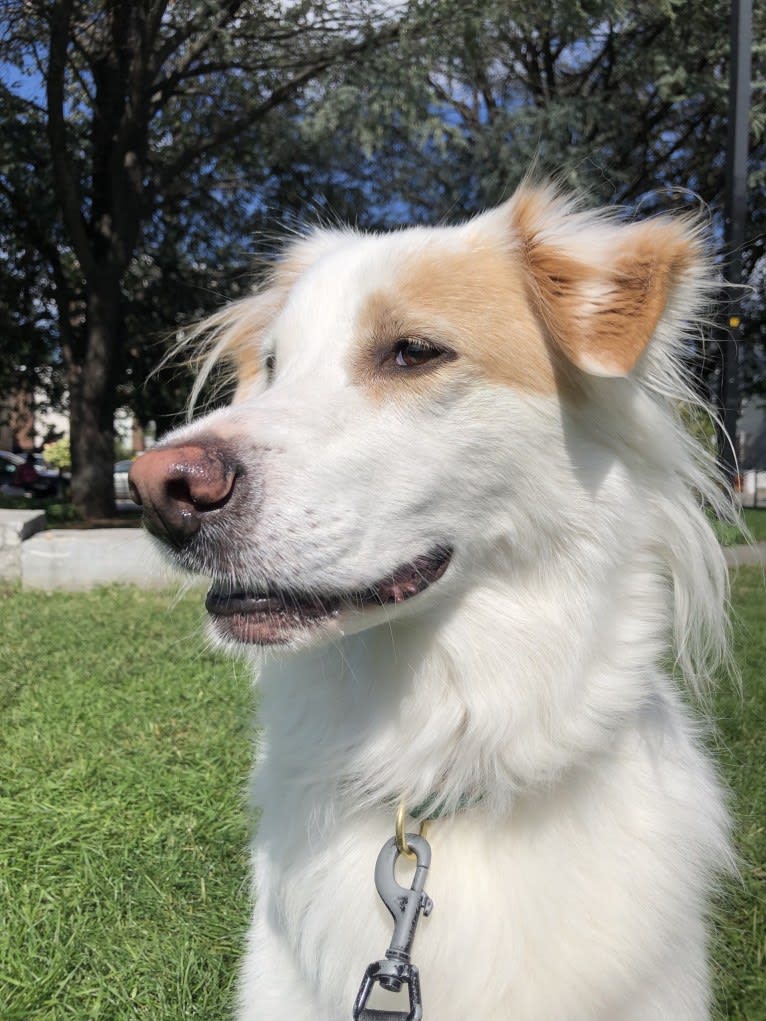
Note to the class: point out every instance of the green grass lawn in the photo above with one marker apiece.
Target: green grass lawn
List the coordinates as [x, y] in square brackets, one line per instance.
[754, 519]
[124, 754]
[740, 954]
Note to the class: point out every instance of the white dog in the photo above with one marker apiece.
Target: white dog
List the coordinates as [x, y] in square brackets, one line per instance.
[454, 517]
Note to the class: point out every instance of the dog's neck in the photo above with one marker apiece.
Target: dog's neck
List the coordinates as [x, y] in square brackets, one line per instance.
[517, 688]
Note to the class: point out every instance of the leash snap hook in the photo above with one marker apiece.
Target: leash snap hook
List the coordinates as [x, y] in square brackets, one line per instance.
[405, 906]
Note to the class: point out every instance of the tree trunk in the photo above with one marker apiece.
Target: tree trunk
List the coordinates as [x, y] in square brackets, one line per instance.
[92, 405]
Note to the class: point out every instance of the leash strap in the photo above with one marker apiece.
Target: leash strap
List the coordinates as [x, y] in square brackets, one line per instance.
[381, 1015]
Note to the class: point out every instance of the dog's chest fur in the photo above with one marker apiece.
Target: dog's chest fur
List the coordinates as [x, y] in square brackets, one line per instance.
[557, 900]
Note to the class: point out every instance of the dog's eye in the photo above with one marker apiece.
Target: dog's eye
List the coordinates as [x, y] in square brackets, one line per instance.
[408, 354]
[270, 365]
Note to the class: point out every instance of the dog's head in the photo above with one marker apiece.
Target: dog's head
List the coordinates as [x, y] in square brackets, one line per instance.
[411, 407]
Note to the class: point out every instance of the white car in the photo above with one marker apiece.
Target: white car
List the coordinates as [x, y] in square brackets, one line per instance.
[121, 491]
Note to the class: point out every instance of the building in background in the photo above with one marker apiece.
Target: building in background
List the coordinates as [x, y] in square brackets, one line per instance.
[17, 422]
[28, 423]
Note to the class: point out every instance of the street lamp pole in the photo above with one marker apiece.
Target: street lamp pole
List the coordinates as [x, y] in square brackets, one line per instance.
[735, 215]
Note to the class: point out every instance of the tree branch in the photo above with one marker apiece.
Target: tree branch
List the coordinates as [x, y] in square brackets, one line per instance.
[23, 101]
[467, 112]
[228, 132]
[187, 32]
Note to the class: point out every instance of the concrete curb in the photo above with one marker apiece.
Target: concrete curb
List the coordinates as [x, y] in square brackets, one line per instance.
[15, 527]
[79, 559]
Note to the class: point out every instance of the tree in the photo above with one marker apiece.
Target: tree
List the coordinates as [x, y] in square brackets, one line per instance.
[146, 104]
[623, 100]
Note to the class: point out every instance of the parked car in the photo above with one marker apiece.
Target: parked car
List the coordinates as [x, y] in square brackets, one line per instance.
[121, 491]
[49, 481]
[8, 464]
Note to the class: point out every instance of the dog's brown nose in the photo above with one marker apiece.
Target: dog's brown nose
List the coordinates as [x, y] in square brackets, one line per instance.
[177, 486]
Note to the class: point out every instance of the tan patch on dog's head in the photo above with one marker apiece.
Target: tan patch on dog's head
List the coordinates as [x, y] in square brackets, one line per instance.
[536, 288]
[525, 295]
[470, 303]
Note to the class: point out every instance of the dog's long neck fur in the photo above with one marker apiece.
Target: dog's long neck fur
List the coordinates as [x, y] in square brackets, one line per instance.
[401, 712]
[555, 657]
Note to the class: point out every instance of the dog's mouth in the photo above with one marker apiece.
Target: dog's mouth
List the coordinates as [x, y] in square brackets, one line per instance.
[276, 616]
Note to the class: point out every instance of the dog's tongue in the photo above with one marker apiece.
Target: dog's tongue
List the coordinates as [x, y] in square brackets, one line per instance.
[410, 579]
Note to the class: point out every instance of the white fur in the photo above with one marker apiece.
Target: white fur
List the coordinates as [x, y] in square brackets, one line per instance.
[528, 689]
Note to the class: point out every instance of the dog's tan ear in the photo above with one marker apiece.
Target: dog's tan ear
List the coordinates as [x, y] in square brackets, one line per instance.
[599, 286]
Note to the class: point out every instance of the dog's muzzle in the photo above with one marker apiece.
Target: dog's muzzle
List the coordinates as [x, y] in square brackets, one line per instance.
[202, 499]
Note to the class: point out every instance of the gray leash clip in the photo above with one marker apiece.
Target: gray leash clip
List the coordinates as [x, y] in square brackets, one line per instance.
[405, 905]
